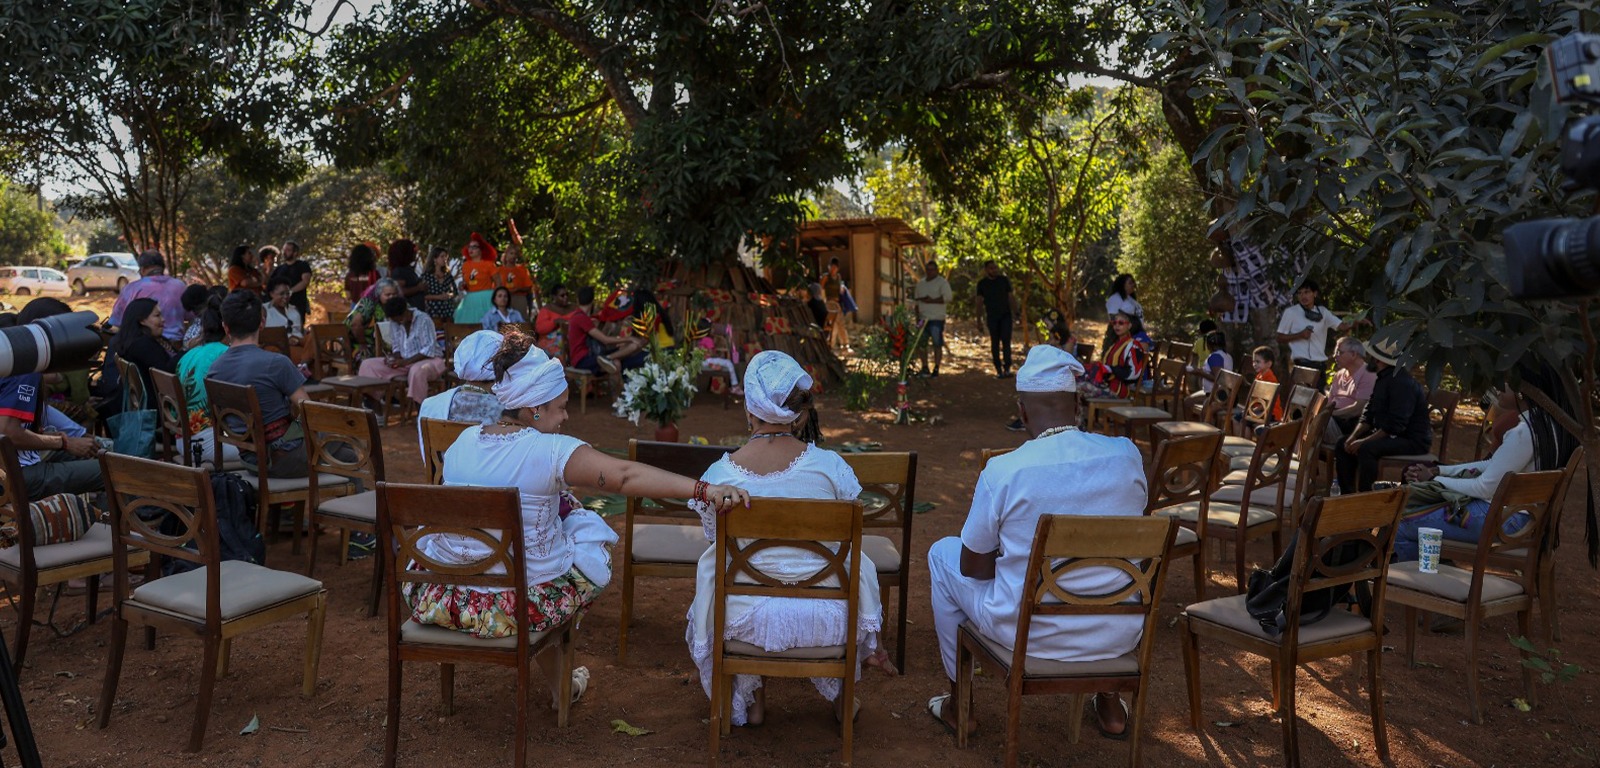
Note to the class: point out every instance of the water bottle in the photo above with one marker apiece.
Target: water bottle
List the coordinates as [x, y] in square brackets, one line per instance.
[1333, 490]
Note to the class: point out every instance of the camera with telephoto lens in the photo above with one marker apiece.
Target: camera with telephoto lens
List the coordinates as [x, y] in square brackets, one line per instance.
[58, 343]
[1553, 258]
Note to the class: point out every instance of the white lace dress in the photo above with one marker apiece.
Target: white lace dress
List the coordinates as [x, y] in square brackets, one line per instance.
[778, 624]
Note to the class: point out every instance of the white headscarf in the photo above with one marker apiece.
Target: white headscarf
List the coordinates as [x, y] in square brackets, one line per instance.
[475, 356]
[534, 380]
[1049, 369]
[769, 380]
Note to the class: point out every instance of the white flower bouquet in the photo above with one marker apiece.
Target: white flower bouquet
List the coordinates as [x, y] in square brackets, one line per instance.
[659, 390]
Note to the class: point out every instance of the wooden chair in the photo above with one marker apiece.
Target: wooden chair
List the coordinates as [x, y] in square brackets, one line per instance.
[1095, 407]
[1224, 392]
[1305, 376]
[1305, 472]
[331, 352]
[133, 389]
[355, 431]
[1248, 516]
[891, 477]
[1181, 472]
[437, 435]
[1063, 545]
[1474, 595]
[1166, 390]
[26, 567]
[407, 514]
[172, 409]
[1366, 522]
[1442, 404]
[236, 420]
[454, 333]
[274, 340]
[669, 546]
[1257, 413]
[1510, 559]
[809, 525]
[216, 601]
[1297, 405]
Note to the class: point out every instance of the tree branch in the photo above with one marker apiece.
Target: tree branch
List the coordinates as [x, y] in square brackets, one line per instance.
[591, 46]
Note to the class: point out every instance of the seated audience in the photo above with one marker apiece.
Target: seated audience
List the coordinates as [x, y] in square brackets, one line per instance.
[1393, 423]
[1350, 390]
[592, 349]
[500, 311]
[193, 367]
[139, 341]
[548, 321]
[367, 313]
[279, 385]
[414, 350]
[154, 283]
[71, 466]
[472, 401]
[1217, 360]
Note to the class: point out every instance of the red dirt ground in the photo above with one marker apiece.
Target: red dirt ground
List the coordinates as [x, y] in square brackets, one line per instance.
[658, 689]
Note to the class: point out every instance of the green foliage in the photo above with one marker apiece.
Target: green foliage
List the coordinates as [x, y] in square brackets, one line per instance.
[662, 389]
[861, 389]
[889, 347]
[1396, 139]
[28, 235]
[1164, 243]
[1547, 662]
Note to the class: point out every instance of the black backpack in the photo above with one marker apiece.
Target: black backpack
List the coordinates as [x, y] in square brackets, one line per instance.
[1267, 592]
[236, 524]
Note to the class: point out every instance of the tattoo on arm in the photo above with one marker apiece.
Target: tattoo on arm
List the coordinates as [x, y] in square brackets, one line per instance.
[602, 481]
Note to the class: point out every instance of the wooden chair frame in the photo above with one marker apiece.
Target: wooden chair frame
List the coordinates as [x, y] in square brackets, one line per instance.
[687, 460]
[1182, 471]
[1218, 410]
[184, 493]
[437, 435]
[330, 349]
[1269, 468]
[1531, 492]
[1369, 518]
[1137, 546]
[408, 513]
[172, 407]
[894, 477]
[804, 524]
[357, 428]
[1258, 407]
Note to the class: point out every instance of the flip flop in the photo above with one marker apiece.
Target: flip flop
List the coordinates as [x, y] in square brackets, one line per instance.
[936, 710]
[1094, 713]
[580, 684]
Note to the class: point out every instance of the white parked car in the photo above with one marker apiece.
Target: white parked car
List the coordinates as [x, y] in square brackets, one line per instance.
[33, 281]
[103, 271]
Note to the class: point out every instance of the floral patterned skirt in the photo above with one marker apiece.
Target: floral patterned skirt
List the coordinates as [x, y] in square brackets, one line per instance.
[490, 615]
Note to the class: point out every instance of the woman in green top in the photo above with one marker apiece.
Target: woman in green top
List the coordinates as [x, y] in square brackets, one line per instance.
[192, 370]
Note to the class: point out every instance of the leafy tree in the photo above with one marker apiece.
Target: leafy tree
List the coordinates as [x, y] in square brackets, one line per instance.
[1164, 241]
[28, 233]
[1398, 139]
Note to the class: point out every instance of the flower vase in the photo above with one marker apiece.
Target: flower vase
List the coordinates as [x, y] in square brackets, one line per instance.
[902, 403]
[667, 432]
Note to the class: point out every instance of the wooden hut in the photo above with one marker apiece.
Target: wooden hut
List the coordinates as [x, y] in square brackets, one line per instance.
[878, 256]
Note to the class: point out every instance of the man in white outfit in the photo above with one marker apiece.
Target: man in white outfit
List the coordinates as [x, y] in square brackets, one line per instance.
[978, 578]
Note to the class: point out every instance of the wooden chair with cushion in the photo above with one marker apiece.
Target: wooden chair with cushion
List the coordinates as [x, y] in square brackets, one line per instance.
[333, 431]
[670, 544]
[236, 421]
[437, 437]
[889, 485]
[1224, 392]
[1160, 404]
[1181, 472]
[216, 601]
[1257, 413]
[172, 409]
[1474, 594]
[809, 525]
[331, 353]
[1442, 405]
[1064, 544]
[1305, 376]
[1300, 483]
[1359, 526]
[274, 340]
[407, 514]
[31, 563]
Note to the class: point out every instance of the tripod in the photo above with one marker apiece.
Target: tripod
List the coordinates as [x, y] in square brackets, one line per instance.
[11, 697]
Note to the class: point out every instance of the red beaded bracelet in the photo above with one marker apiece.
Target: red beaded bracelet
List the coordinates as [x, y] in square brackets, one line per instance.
[700, 487]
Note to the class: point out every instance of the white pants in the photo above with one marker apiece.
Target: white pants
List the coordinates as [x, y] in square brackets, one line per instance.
[956, 598]
[723, 364]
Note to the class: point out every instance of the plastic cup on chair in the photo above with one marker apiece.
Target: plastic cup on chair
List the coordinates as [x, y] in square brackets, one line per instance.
[1429, 542]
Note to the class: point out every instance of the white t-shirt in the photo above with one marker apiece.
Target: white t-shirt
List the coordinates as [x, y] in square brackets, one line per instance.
[1515, 454]
[1072, 472]
[1129, 305]
[1294, 320]
[935, 288]
[288, 317]
[1219, 360]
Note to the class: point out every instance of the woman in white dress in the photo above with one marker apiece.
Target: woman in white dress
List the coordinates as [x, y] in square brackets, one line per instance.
[568, 555]
[781, 460]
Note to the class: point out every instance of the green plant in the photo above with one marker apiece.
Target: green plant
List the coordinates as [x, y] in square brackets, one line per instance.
[860, 389]
[1547, 662]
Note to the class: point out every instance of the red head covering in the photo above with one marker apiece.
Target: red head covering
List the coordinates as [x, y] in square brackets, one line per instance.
[488, 249]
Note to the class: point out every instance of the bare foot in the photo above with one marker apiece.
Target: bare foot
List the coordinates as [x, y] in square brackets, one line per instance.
[756, 713]
[948, 715]
[881, 660]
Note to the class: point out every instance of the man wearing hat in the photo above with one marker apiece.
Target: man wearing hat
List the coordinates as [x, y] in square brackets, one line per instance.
[1394, 423]
[979, 577]
[154, 283]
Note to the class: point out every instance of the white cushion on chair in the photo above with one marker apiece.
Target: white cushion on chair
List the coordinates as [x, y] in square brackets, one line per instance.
[1230, 612]
[883, 552]
[1186, 428]
[246, 588]
[95, 544]
[1185, 537]
[361, 506]
[667, 543]
[412, 632]
[1126, 664]
[1450, 583]
[324, 480]
[1266, 496]
[1225, 515]
[739, 648]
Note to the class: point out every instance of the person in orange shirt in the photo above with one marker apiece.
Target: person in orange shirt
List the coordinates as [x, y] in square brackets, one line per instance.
[480, 275]
[1261, 360]
[243, 271]
[517, 279]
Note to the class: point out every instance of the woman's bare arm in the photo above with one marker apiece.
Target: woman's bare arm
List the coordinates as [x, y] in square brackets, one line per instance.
[590, 468]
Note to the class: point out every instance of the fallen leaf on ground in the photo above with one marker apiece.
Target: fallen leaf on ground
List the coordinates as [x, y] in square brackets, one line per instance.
[253, 726]
[621, 726]
[1224, 724]
[1521, 705]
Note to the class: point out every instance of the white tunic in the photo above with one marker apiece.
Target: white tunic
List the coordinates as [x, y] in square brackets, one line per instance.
[1294, 320]
[778, 624]
[1069, 473]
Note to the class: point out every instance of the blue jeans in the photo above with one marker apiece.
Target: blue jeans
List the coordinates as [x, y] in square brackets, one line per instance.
[935, 334]
[1405, 536]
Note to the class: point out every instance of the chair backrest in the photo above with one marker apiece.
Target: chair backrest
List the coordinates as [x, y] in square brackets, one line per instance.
[1065, 544]
[330, 347]
[990, 453]
[1298, 404]
[132, 384]
[172, 405]
[892, 476]
[1530, 492]
[1182, 470]
[1270, 463]
[328, 426]
[491, 516]
[274, 339]
[1304, 376]
[1224, 394]
[1258, 406]
[137, 489]
[1366, 522]
[1442, 404]
[805, 524]
[1180, 351]
[236, 421]
[437, 437]
[454, 333]
[678, 458]
[14, 501]
[1084, 352]
[1169, 375]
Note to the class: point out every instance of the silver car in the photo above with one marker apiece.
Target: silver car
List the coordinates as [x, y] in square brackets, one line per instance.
[103, 271]
[33, 281]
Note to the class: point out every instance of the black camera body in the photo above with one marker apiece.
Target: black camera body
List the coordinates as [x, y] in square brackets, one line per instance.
[1555, 258]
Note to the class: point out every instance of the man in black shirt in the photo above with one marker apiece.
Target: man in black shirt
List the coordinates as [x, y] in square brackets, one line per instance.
[298, 272]
[1394, 423]
[997, 304]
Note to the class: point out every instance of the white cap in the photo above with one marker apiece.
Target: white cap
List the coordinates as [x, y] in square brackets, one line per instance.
[1049, 369]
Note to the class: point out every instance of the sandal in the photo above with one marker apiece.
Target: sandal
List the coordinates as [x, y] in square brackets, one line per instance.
[855, 711]
[580, 684]
[881, 660]
[936, 707]
[1092, 704]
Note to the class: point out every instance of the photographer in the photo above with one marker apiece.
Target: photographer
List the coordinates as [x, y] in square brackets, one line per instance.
[72, 468]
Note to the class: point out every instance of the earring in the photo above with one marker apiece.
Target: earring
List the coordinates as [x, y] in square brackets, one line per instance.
[535, 415]
[749, 425]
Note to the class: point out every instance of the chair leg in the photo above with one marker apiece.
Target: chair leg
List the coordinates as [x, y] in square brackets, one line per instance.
[1547, 599]
[900, 631]
[447, 688]
[1529, 692]
[318, 613]
[713, 742]
[847, 708]
[344, 547]
[1191, 669]
[1013, 719]
[1075, 719]
[1276, 675]
[627, 605]
[1380, 734]
[564, 654]
[1411, 637]
[963, 696]
[297, 509]
[1285, 684]
[28, 593]
[208, 684]
[223, 654]
[525, 670]
[108, 690]
[311, 560]
[1239, 545]
[1135, 753]
[1199, 564]
[391, 724]
[377, 585]
[91, 600]
[1472, 666]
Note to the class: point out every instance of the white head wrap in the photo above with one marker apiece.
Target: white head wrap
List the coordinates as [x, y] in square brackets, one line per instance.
[534, 380]
[769, 380]
[1049, 369]
[475, 356]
